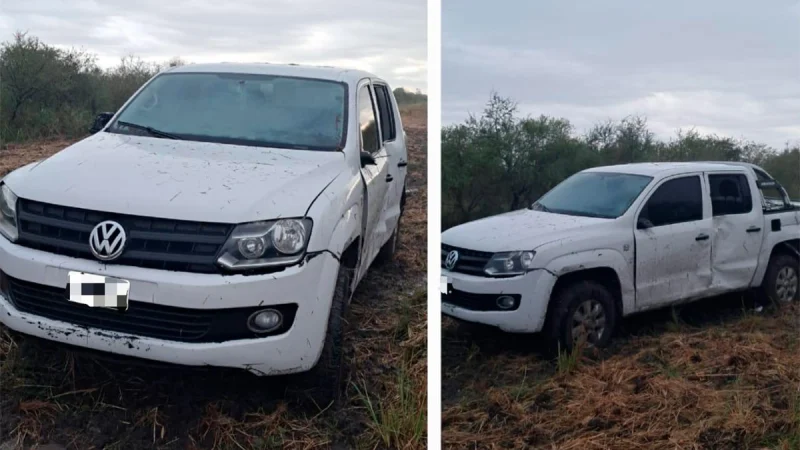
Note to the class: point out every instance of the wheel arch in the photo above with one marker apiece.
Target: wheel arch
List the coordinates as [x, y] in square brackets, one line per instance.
[603, 275]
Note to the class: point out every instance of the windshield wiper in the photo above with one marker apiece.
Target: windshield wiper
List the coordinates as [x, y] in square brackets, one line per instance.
[150, 130]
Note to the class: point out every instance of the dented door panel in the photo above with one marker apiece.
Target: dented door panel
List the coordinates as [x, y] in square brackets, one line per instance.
[738, 230]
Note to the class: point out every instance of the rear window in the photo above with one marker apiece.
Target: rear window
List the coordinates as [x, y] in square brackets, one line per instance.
[386, 110]
[730, 194]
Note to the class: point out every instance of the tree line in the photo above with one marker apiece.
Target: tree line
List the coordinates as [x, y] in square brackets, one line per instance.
[499, 161]
[47, 91]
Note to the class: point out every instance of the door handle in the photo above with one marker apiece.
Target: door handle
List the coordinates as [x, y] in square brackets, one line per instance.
[402, 164]
[701, 237]
[389, 178]
[754, 229]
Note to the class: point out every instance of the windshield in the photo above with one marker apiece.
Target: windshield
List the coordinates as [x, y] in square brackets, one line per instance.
[244, 109]
[593, 194]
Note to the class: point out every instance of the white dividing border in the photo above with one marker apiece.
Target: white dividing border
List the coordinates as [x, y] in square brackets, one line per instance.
[434, 224]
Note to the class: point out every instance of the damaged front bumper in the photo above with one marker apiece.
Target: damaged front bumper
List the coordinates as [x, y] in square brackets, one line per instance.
[308, 285]
[532, 291]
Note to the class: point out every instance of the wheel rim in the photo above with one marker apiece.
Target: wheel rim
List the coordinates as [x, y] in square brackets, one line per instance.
[588, 322]
[786, 284]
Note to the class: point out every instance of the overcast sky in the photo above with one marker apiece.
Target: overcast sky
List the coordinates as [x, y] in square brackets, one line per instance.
[723, 66]
[386, 37]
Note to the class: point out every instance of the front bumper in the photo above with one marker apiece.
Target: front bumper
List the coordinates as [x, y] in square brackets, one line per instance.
[534, 288]
[310, 285]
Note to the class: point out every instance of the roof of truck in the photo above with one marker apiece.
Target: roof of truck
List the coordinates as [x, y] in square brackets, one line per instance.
[670, 168]
[349, 76]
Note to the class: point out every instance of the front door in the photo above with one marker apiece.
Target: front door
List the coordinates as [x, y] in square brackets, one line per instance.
[673, 243]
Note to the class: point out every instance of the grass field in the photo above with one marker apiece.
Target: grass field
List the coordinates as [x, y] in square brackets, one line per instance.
[53, 395]
[710, 375]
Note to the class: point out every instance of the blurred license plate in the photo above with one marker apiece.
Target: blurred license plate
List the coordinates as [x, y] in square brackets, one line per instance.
[98, 291]
[445, 286]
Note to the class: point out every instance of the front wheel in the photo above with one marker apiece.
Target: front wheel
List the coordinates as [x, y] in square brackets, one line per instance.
[323, 383]
[782, 280]
[583, 314]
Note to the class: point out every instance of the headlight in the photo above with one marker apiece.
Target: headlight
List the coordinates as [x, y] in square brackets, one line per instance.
[266, 244]
[8, 213]
[509, 263]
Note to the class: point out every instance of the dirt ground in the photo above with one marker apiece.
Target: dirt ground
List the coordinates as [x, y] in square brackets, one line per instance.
[715, 374]
[53, 395]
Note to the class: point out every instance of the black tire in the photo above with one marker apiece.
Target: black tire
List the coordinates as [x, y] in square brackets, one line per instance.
[389, 249]
[567, 300]
[323, 383]
[775, 286]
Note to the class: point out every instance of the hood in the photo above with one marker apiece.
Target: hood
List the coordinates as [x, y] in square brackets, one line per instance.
[181, 180]
[517, 230]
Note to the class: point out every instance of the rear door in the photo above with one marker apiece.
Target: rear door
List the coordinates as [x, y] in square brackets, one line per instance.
[673, 242]
[375, 175]
[394, 142]
[737, 230]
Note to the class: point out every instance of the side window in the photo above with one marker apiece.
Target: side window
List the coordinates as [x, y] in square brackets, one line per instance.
[730, 194]
[386, 110]
[676, 201]
[367, 121]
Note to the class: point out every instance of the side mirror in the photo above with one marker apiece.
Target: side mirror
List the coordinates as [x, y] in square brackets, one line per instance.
[644, 223]
[367, 159]
[101, 121]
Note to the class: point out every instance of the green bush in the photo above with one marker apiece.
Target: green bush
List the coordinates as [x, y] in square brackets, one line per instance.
[500, 162]
[47, 92]
[405, 97]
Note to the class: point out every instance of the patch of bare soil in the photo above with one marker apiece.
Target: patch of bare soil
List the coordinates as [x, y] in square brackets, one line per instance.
[711, 375]
[53, 394]
[17, 155]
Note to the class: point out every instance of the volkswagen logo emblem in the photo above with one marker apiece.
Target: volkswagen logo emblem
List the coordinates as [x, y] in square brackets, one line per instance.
[107, 240]
[451, 260]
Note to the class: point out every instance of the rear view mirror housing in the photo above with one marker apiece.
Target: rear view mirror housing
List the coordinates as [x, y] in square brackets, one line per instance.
[643, 223]
[101, 121]
[367, 159]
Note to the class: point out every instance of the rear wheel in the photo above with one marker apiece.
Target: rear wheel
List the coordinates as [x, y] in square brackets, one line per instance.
[583, 314]
[782, 280]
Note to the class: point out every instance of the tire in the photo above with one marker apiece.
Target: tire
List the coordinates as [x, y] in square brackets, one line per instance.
[782, 280]
[567, 301]
[389, 249]
[323, 383]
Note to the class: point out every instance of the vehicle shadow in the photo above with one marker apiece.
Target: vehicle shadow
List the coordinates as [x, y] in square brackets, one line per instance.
[107, 390]
[461, 340]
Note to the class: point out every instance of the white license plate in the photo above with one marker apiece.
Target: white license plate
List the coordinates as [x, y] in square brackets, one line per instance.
[445, 286]
[98, 291]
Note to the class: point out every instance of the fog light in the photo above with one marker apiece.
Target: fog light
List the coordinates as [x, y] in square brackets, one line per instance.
[505, 302]
[264, 321]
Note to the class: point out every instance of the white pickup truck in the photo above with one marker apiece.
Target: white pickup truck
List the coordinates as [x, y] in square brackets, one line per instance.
[223, 216]
[612, 241]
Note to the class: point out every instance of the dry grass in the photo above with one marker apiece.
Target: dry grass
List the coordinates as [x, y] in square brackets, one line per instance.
[730, 383]
[49, 393]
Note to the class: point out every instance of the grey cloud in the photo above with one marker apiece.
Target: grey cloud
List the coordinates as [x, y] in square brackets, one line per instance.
[729, 67]
[383, 36]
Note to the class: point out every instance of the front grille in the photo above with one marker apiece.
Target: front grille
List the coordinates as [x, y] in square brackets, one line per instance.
[152, 243]
[469, 261]
[143, 318]
[478, 302]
